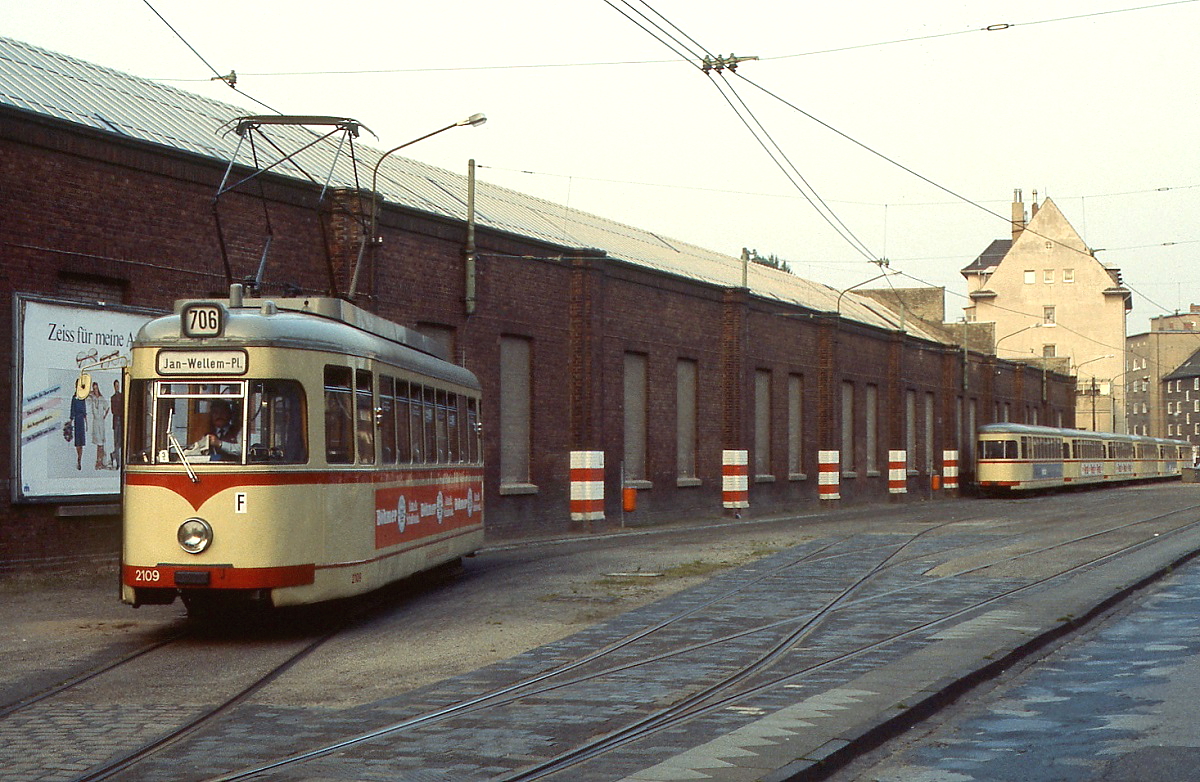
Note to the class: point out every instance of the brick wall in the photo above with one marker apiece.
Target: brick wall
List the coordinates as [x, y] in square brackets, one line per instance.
[88, 214]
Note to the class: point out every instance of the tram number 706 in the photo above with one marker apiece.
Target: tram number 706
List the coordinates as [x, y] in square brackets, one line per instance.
[202, 320]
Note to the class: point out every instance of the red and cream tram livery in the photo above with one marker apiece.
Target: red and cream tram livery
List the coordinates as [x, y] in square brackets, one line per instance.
[1019, 457]
[293, 451]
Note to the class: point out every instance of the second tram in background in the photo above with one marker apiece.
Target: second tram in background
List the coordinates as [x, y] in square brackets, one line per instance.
[293, 451]
[1017, 457]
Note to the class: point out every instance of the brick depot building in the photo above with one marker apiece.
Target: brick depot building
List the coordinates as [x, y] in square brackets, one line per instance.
[587, 335]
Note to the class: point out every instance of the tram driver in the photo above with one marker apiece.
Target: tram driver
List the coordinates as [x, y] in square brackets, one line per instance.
[223, 443]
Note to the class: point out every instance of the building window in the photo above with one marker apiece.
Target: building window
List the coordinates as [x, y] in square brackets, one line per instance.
[928, 432]
[1048, 276]
[762, 422]
[516, 409]
[1049, 351]
[847, 426]
[872, 423]
[910, 429]
[1068, 275]
[635, 416]
[1030, 276]
[1048, 315]
[795, 407]
[685, 419]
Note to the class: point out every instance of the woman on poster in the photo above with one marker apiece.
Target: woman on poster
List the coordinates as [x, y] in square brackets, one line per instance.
[98, 413]
[79, 413]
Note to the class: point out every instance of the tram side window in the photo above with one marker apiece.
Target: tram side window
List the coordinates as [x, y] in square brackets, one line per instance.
[474, 431]
[452, 437]
[339, 419]
[386, 415]
[275, 427]
[441, 426]
[403, 423]
[364, 414]
[139, 427]
[416, 406]
[429, 409]
[997, 449]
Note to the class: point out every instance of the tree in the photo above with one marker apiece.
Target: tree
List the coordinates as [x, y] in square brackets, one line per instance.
[772, 260]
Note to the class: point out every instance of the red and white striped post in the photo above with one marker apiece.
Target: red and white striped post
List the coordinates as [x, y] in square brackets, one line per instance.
[587, 485]
[950, 471]
[735, 479]
[829, 475]
[897, 472]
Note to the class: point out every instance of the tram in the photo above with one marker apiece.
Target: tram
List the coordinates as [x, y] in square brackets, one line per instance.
[291, 451]
[1018, 457]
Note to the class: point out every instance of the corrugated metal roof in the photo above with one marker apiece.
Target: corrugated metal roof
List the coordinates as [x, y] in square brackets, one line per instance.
[66, 88]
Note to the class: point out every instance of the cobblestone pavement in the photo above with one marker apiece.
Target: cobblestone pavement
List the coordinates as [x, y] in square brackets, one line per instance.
[1118, 704]
[833, 679]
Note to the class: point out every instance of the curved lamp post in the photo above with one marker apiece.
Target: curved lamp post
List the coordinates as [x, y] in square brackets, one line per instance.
[475, 120]
[886, 273]
[996, 347]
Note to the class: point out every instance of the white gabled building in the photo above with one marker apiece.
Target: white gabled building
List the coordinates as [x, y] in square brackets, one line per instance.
[1050, 297]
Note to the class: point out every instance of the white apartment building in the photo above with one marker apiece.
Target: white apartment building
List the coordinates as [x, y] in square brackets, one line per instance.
[1050, 297]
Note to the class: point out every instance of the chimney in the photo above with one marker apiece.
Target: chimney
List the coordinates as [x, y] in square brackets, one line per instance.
[1033, 208]
[1018, 215]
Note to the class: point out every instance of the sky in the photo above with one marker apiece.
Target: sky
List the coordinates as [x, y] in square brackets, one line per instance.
[903, 128]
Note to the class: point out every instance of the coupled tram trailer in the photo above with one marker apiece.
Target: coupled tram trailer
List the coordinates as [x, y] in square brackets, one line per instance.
[1018, 457]
[293, 451]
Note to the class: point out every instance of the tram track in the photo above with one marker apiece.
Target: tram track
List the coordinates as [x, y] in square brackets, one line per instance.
[106, 763]
[715, 696]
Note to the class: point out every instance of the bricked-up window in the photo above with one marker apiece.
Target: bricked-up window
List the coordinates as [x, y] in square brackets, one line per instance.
[685, 418]
[515, 409]
[847, 426]
[90, 287]
[928, 432]
[910, 429]
[872, 424]
[762, 422]
[635, 416]
[795, 407]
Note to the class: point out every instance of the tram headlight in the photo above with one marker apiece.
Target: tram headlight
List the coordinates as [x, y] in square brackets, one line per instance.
[194, 535]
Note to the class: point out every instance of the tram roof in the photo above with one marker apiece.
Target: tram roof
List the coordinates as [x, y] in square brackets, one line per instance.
[1031, 429]
[68, 89]
[306, 329]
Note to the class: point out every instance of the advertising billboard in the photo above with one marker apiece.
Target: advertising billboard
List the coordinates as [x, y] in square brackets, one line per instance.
[69, 397]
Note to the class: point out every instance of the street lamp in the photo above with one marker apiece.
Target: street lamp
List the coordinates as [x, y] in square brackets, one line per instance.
[886, 272]
[996, 347]
[475, 120]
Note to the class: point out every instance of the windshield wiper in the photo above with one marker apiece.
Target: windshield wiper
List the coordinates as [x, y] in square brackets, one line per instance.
[174, 442]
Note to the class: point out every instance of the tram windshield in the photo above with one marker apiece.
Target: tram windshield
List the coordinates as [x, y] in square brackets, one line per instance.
[238, 422]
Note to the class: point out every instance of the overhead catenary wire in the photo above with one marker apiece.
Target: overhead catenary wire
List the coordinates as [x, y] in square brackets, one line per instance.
[991, 28]
[232, 82]
[814, 199]
[739, 107]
